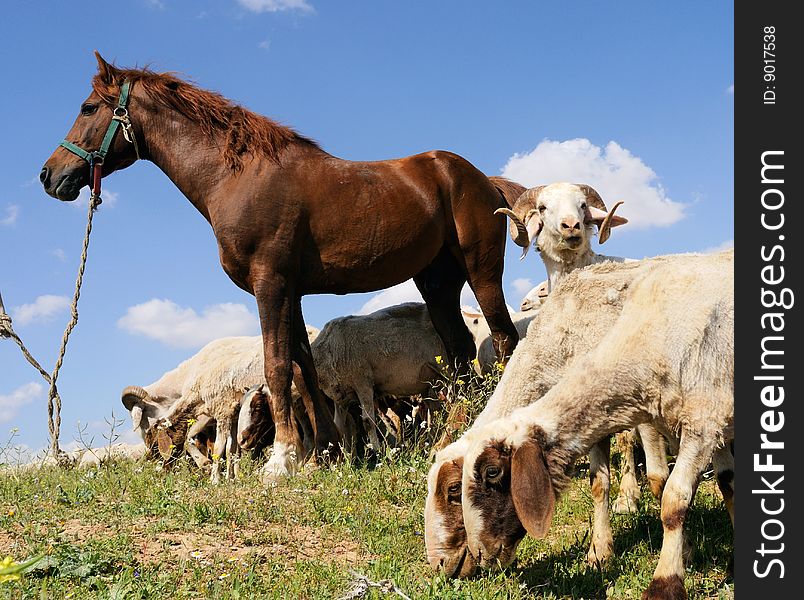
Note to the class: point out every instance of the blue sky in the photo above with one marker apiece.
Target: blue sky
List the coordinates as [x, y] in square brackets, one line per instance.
[634, 98]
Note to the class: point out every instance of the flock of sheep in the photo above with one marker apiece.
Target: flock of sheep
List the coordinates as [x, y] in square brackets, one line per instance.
[607, 345]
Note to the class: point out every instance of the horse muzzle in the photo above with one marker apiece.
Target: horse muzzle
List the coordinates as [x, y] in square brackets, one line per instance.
[64, 185]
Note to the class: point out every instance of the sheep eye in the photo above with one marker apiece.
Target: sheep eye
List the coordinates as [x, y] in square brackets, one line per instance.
[493, 472]
[88, 109]
[542, 208]
[583, 206]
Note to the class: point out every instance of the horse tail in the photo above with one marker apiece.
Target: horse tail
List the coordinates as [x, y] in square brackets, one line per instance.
[509, 190]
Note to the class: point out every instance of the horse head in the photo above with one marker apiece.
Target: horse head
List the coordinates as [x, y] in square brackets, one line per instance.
[67, 170]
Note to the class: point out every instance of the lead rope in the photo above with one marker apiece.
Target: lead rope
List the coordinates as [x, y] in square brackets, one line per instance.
[6, 330]
[54, 400]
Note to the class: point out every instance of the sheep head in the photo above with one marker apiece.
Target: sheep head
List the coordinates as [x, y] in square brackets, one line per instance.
[507, 491]
[561, 216]
[254, 422]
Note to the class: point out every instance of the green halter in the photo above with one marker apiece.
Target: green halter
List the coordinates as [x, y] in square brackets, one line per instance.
[120, 117]
[96, 158]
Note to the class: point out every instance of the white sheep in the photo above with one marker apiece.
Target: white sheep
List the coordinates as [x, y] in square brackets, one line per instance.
[389, 352]
[667, 359]
[207, 387]
[568, 325]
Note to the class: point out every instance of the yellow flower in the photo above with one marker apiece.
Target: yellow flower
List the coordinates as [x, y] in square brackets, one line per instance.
[6, 565]
[439, 359]
[191, 422]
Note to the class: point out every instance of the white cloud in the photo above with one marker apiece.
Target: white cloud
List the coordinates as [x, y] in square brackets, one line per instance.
[522, 285]
[723, 246]
[259, 6]
[59, 254]
[10, 404]
[730, 89]
[41, 309]
[12, 212]
[613, 171]
[264, 45]
[407, 292]
[179, 327]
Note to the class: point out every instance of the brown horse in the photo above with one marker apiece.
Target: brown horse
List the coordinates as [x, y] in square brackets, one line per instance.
[291, 220]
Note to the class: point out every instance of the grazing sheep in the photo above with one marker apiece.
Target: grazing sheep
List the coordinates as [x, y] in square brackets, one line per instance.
[668, 359]
[570, 324]
[389, 352]
[207, 387]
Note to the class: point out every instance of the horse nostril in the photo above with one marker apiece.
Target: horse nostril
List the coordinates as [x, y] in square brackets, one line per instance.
[44, 175]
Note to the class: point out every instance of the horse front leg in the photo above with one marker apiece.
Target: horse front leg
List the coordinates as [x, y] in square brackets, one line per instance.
[275, 305]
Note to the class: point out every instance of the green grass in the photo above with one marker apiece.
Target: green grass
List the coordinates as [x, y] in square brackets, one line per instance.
[129, 530]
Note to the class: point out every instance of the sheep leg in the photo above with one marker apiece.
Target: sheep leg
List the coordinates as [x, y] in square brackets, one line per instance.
[365, 394]
[218, 451]
[723, 462]
[190, 446]
[693, 458]
[602, 543]
[232, 451]
[319, 408]
[275, 301]
[628, 497]
[656, 468]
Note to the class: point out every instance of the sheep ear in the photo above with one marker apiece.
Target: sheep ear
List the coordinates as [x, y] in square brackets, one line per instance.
[531, 488]
[164, 442]
[136, 416]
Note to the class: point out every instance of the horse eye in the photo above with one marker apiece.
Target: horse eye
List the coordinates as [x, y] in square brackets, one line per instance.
[88, 109]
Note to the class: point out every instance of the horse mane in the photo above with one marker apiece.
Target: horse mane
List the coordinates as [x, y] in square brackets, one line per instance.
[246, 131]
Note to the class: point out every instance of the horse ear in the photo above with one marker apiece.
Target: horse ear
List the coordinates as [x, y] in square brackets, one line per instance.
[531, 488]
[106, 72]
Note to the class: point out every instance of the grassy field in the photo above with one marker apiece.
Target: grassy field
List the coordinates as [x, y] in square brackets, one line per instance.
[130, 530]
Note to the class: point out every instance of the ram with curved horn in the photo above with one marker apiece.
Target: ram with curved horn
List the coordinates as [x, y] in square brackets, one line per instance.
[560, 218]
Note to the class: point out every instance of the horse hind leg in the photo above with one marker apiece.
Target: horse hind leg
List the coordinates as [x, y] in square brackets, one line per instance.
[440, 285]
[484, 271]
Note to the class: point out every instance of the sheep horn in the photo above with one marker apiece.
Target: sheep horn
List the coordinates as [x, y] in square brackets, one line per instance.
[131, 394]
[519, 233]
[592, 197]
[605, 226]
